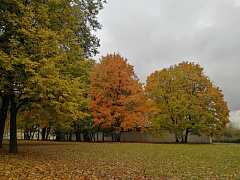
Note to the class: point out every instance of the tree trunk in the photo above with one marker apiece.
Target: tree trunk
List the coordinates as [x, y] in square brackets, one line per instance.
[32, 135]
[117, 137]
[48, 132]
[186, 136]
[27, 135]
[24, 136]
[38, 133]
[13, 126]
[3, 116]
[58, 137]
[87, 136]
[77, 134]
[43, 133]
[103, 136]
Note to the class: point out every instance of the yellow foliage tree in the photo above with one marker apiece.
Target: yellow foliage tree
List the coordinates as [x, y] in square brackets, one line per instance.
[183, 101]
[41, 59]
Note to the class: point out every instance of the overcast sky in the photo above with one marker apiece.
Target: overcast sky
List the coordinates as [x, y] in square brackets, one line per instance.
[155, 34]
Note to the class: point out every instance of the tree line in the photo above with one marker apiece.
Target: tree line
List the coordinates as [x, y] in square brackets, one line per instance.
[50, 82]
[231, 134]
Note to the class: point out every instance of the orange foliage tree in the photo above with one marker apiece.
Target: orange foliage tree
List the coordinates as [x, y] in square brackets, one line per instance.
[117, 96]
[183, 101]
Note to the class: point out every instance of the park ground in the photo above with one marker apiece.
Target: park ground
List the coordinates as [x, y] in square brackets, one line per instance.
[80, 160]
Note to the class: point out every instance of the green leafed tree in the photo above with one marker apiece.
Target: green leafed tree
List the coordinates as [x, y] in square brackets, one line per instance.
[182, 100]
[117, 96]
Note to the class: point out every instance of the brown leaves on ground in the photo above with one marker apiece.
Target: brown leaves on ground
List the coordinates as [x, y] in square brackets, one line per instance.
[73, 160]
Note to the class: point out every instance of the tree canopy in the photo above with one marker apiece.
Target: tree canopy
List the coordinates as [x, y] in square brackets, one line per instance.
[117, 96]
[182, 100]
[42, 59]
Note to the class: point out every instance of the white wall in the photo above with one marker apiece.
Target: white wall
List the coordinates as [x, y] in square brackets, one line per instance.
[146, 137]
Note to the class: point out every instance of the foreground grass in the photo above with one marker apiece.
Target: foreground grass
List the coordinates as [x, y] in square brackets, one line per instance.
[73, 160]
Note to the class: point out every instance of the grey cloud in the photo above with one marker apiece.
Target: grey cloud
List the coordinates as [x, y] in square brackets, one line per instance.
[155, 34]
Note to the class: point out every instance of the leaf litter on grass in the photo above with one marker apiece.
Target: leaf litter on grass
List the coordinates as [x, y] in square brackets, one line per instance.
[76, 160]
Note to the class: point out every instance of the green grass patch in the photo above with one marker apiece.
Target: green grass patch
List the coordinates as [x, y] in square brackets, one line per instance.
[74, 160]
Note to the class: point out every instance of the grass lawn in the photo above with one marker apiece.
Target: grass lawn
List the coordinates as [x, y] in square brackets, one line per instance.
[74, 160]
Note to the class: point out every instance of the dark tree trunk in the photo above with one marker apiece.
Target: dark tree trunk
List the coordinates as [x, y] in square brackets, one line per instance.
[43, 133]
[3, 116]
[77, 134]
[13, 126]
[24, 136]
[58, 137]
[186, 136]
[117, 137]
[91, 136]
[48, 132]
[27, 135]
[177, 140]
[32, 134]
[38, 133]
[103, 136]
[87, 137]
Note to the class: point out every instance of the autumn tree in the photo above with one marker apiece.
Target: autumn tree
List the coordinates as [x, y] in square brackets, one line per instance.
[41, 60]
[27, 121]
[89, 23]
[183, 101]
[117, 96]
